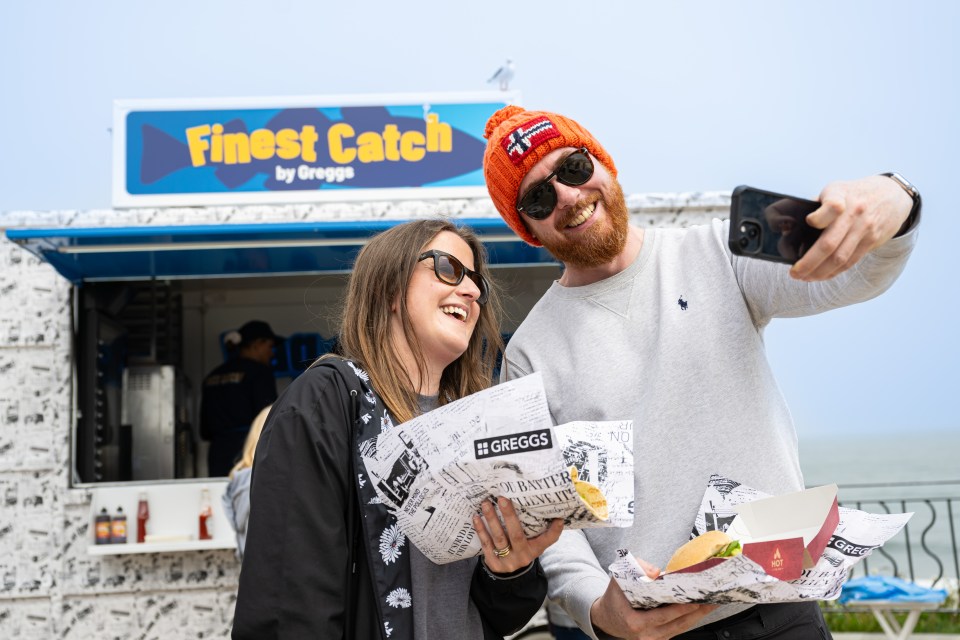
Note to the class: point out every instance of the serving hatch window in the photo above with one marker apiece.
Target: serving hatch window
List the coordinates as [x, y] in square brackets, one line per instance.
[145, 346]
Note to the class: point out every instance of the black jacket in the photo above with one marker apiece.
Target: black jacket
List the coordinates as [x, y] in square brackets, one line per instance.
[295, 567]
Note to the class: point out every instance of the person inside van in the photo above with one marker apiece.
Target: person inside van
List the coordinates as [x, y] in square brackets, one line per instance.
[234, 393]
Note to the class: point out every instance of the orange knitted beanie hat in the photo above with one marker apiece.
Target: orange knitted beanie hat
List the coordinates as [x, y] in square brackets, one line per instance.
[518, 139]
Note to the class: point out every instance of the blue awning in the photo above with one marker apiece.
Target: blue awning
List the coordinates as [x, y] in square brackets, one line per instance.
[235, 250]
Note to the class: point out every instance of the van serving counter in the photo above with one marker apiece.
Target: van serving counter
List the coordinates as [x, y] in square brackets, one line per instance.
[174, 515]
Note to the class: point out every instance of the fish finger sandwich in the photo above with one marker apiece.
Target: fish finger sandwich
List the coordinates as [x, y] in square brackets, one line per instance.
[712, 544]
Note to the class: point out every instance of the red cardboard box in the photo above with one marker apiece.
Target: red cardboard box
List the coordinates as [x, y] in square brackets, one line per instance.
[784, 534]
[787, 534]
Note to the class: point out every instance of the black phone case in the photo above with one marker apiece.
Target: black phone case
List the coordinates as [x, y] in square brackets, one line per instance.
[738, 216]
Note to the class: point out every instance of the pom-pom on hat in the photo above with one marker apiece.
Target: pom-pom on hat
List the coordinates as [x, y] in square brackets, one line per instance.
[518, 139]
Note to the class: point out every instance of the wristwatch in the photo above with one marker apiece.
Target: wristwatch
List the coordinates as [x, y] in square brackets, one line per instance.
[914, 193]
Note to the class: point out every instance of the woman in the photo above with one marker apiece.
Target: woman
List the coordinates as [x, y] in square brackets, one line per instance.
[420, 328]
[236, 497]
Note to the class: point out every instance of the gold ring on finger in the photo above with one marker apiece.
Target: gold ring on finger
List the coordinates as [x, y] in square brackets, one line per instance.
[502, 553]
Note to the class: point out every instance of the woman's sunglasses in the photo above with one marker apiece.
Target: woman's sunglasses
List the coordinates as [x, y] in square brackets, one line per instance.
[450, 271]
[540, 200]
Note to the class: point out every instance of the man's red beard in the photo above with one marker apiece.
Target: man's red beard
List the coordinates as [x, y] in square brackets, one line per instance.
[602, 242]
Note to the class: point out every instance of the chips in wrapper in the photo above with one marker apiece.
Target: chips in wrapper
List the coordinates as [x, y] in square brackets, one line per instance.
[591, 496]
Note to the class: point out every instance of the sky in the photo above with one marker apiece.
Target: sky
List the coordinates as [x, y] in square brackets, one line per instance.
[686, 96]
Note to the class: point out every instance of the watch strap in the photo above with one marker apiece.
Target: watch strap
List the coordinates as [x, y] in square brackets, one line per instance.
[914, 193]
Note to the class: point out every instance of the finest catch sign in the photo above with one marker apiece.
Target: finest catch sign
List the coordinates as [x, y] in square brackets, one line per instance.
[298, 150]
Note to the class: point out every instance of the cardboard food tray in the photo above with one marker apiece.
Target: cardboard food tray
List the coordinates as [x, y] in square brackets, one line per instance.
[797, 547]
[783, 534]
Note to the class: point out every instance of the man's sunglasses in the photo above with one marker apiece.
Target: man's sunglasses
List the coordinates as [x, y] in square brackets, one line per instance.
[540, 200]
[450, 271]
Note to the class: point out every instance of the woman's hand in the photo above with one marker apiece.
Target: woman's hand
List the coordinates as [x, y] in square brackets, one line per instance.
[505, 548]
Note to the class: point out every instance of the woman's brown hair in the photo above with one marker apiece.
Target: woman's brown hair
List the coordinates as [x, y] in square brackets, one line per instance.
[381, 275]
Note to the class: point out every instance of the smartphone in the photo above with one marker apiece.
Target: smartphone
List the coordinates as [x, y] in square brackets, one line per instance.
[770, 226]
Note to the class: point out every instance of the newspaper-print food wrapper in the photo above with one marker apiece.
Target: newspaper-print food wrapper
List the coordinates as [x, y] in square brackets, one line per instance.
[435, 470]
[739, 579]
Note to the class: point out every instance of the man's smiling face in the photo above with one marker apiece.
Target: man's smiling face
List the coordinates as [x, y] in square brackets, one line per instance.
[588, 227]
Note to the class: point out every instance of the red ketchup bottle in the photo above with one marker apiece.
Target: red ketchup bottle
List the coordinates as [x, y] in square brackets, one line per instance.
[206, 513]
[143, 514]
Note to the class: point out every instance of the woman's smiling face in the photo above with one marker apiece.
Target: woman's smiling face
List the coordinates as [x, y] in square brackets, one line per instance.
[443, 316]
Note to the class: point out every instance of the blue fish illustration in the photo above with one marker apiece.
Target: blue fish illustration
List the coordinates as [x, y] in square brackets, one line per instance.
[164, 154]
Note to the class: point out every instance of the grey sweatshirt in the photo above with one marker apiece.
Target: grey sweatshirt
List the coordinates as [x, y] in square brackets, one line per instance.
[675, 343]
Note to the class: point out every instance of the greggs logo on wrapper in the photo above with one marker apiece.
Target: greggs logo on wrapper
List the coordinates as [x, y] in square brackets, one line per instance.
[515, 443]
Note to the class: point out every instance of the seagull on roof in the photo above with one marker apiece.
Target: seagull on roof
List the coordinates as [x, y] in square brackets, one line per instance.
[503, 75]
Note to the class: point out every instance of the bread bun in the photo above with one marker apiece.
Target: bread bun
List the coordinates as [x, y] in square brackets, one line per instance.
[697, 550]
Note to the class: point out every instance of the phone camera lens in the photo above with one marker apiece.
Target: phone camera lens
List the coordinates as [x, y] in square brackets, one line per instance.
[752, 232]
[744, 242]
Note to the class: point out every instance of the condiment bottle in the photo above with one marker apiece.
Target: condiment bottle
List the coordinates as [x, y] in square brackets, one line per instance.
[118, 528]
[206, 513]
[143, 514]
[102, 524]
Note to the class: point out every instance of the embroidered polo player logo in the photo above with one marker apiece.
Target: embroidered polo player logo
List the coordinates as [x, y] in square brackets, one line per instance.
[519, 142]
[682, 303]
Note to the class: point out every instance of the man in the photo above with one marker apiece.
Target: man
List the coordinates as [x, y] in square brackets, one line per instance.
[234, 393]
[665, 327]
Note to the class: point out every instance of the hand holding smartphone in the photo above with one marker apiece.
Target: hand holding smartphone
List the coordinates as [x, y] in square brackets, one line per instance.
[770, 226]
